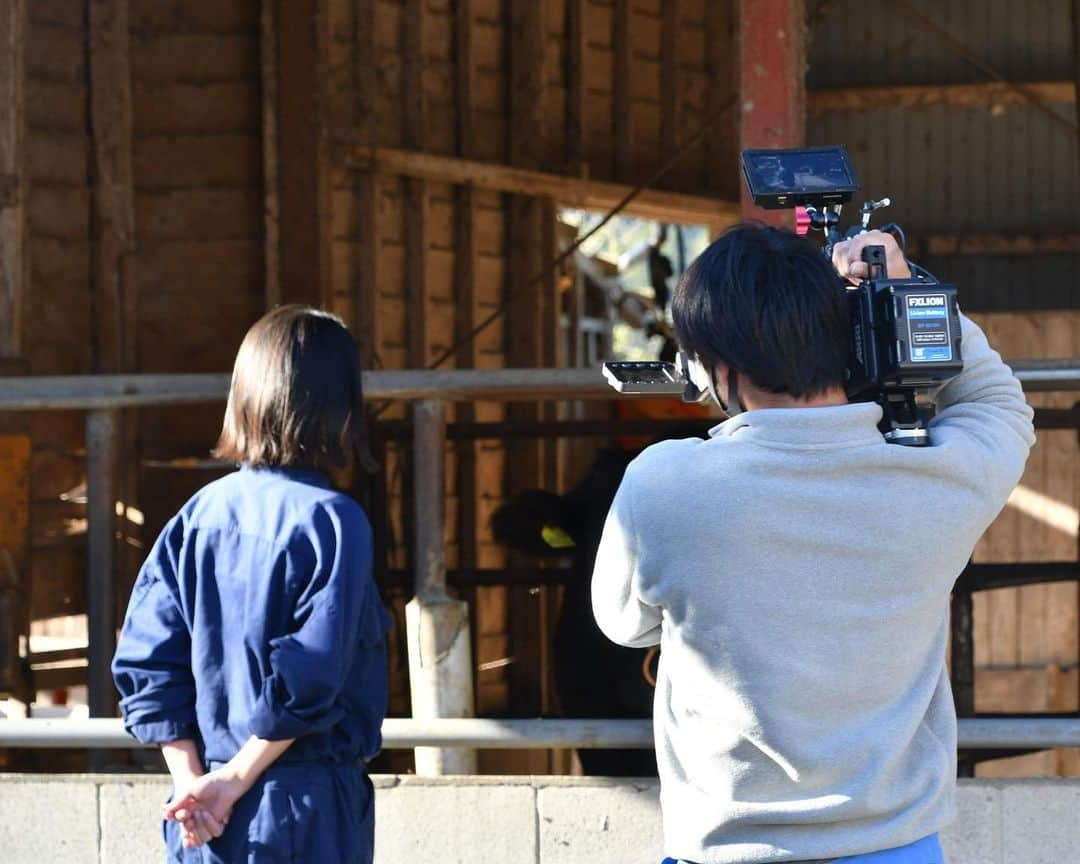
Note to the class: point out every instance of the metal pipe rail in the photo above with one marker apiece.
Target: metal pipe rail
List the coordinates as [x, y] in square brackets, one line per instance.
[103, 392]
[102, 396]
[1033, 733]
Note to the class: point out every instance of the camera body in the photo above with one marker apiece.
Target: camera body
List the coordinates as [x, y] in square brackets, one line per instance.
[905, 332]
[905, 337]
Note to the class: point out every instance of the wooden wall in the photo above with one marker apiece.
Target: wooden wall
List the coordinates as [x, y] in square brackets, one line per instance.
[57, 327]
[604, 89]
[577, 87]
[1026, 639]
[194, 277]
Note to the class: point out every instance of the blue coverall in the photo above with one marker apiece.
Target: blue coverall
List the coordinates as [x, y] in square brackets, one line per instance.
[256, 614]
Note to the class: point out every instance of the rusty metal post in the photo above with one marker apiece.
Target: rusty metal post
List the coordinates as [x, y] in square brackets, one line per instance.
[102, 428]
[440, 656]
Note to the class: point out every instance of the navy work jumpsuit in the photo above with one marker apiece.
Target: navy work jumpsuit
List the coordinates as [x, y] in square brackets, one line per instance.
[256, 614]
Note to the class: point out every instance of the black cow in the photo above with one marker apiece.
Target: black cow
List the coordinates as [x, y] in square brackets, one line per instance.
[595, 677]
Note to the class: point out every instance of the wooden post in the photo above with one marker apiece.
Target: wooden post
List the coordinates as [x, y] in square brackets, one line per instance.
[370, 98]
[721, 38]
[624, 126]
[772, 84]
[302, 158]
[113, 184]
[271, 180]
[1075, 12]
[671, 115]
[101, 446]
[524, 317]
[575, 88]
[415, 110]
[465, 310]
[13, 263]
[440, 659]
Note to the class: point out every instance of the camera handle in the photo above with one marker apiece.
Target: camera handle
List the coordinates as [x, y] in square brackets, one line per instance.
[904, 421]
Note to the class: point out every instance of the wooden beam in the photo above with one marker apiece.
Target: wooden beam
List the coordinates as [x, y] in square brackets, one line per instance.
[671, 117]
[988, 94]
[772, 86]
[624, 126]
[418, 338]
[1074, 16]
[523, 324]
[567, 191]
[271, 177]
[369, 97]
[722, 145]
[576, 162]
[1014, 243]
[13, 182]
[465, 251]
[113, 184]
[303, 169]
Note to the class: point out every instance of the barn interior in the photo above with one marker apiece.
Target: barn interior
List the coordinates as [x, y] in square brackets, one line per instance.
[487, 185]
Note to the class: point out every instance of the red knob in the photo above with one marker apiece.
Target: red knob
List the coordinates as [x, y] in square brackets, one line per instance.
[802, 221]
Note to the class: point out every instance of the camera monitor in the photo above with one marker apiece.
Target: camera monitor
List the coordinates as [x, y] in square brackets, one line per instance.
[810, 176]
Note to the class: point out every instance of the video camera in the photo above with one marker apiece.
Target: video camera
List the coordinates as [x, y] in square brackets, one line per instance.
[905, 332]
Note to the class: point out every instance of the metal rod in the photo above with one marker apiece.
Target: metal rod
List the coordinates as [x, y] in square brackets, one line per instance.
[101, 432]
[90, 392]
[437, 626]
[429, 460]
[1022, 733]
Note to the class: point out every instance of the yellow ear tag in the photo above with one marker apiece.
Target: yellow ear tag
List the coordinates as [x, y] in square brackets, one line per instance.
[556, 538]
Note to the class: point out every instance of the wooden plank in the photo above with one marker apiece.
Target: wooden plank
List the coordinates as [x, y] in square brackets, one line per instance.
[984, 94]
[186, 161]
[210, 214]
[721, 34]
[772, 64]
[197, 109]
[1074, 17]
[196, 58]
[164, 17]
[268, 53]
[995, 243]
[568, 191]
[15, 461]
[13, 179]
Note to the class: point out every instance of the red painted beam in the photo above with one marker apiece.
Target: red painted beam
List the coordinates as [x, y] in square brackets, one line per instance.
[772, 84]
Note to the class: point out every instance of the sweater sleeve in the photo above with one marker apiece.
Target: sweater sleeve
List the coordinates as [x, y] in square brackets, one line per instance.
[620, 612]
[983, 412]
[152, 665]
[337, 610]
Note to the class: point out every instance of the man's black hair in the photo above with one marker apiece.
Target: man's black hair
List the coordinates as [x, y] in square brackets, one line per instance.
[766, 303]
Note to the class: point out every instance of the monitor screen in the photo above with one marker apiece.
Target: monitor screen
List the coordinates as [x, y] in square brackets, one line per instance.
[789, 177]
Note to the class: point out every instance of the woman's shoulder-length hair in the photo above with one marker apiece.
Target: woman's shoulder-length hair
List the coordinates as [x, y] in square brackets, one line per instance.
[296, 398]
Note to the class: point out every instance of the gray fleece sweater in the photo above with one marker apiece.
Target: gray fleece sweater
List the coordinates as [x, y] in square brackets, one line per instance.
[795, 570]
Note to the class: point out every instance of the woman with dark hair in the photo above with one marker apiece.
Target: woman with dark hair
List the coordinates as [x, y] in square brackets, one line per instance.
[252, 651]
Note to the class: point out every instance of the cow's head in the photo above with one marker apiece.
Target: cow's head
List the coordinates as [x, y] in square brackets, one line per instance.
[546, 525]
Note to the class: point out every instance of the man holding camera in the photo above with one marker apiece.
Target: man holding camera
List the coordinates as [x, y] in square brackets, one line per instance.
[796, 570]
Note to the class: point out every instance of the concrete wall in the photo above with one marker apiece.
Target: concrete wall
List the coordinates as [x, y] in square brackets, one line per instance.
[99, 819]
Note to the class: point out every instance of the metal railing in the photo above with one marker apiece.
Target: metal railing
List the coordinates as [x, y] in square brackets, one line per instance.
[406, 734]
[103, 396]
